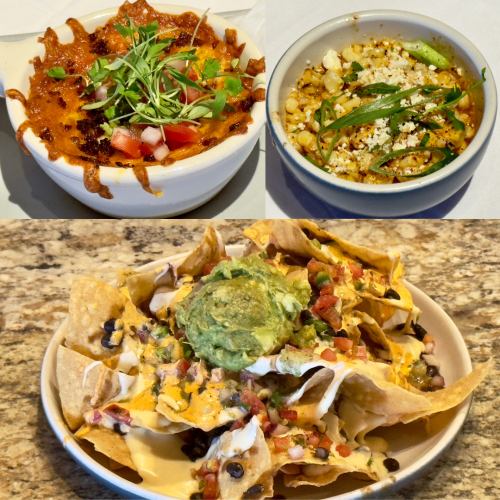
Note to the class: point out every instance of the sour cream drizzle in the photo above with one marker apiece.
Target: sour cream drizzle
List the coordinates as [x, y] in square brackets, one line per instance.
[87, 370]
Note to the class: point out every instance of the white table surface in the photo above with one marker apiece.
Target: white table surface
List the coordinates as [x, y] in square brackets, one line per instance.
[27, 192]
[477, 20]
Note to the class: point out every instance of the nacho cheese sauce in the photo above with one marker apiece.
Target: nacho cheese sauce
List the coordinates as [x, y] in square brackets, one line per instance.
[54, 106]
[359, 146]
[160, 462]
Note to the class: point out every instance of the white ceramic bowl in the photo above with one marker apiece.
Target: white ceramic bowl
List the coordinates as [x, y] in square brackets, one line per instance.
[416, 452]
[186, 184]
[389, 200]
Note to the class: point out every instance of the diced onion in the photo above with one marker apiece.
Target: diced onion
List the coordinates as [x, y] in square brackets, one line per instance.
[151, 135]
[431, 360]
[437, 381]
[161, 152]
[180, 65]
[124, 131]
[101, 94]
[280, 429]
[296, 453]
[274, 416]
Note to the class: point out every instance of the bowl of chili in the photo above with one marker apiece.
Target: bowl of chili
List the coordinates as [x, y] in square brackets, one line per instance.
[143, 111]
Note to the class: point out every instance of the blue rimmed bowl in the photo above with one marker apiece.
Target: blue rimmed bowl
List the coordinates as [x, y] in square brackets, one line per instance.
[383, 200]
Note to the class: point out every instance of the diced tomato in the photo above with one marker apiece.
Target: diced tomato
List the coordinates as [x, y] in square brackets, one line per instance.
[183, 367]
[172, 145]
[182, 133]
[326, 289]
[325, 442]
[342, 343]
[256, 405]
[335, 271]
[324, 301]
[209, 268]
[210, 491]
[331, 316]
[343, 450]
[328, 355]
[361, 352]
[282, 444]
[130, 146]
[313, 440]
[208, 467]
[238, 424]
[180, 333]
[289, 414]
[356, 271]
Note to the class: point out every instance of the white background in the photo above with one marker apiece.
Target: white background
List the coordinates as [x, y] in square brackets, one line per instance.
[27, 192]
[475, 19]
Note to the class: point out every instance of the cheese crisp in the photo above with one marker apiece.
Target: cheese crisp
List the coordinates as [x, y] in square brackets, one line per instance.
[211, 376]
[380, 114]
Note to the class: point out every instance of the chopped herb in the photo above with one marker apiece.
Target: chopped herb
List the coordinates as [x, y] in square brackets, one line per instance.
[160, 332]
[263, 255]
[352, 77]
[156, 389]
[276, 399]
[457, 124]
[57, 72]
[301, 442]
[244, 405]
[321, 279]
[370, 462]
[358, 286]
[296, 130]
[319, 326]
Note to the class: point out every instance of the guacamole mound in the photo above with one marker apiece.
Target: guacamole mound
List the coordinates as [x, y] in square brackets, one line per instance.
[244, 310]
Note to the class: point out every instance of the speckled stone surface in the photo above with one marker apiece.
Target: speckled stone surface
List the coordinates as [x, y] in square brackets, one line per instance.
[457, 263]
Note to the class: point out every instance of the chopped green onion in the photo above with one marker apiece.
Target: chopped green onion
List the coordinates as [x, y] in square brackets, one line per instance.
[316, 243]
[321, 279]
[425, 53]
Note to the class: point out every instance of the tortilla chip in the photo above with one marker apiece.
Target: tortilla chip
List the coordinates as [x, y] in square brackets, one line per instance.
[77, 398]
[92, 303]
[322, 473]
[451, 396]
[288, 236]
[193, 416]
[256, 463]
[210, 251]
[142, 286]
[376, 395]
[122, 275]
[107, 442]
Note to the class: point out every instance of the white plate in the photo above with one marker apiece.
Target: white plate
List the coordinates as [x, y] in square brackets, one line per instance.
[415, 451]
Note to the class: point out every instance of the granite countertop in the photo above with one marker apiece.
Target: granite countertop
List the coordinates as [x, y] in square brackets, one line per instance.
[457, 263]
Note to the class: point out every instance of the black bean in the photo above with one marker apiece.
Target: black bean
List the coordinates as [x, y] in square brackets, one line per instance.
[196, 496]
[329, 331]
[106, 341]
[235, 398]
[391, 294]
[235, 469]
[254, 490]
[322, 453]
[391, 464]
[342, 333]
[400, 326]
[306, 315]
[117, 429]
[432, 371]
[109, 326]
[313, 300]
[420, 331]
